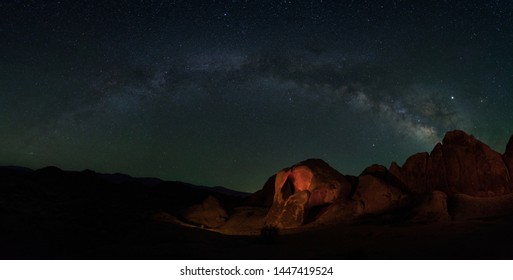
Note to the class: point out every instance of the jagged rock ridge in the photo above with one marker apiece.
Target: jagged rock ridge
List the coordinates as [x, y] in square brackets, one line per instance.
[460, 164]
[461, 170]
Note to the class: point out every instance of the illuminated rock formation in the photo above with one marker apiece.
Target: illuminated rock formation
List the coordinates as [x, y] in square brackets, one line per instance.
[303, 186]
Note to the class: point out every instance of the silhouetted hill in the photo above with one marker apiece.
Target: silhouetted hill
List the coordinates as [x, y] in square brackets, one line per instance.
[54, 208]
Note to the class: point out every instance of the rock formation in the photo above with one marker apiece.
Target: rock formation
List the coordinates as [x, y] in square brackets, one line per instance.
[376, 196]
[210, 213]
[303, 186]
[508, 158]
[431, 208]
[461, 170]
[466, 207]
[460, 164]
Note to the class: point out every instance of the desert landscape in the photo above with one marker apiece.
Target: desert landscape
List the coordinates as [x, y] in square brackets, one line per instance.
[455, 202]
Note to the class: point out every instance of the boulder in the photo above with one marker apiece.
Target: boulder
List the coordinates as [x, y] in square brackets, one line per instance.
[244, 220]
[431, 208]
[376, 196]
[210, 213]
[343, 211]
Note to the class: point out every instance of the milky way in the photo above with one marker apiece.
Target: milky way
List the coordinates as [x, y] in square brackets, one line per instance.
[228, 92]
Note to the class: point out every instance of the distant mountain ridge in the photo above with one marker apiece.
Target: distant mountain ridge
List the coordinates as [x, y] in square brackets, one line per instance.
[117, 178]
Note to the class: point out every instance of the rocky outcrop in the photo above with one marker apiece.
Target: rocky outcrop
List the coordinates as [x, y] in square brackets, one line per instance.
[508, 159]
[436, 169]
[431, 208]
[460, 164]
[460, 172]
[388, 177]
[303, 186]
[294, 210]
[465, 207]
[210, 213]
[413, 173]
[376, 196]
[244, 220]
[473, 168]
[343, 211]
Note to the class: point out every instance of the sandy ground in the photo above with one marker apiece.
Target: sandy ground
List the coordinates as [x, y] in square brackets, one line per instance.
[129, 238]
[474, 239]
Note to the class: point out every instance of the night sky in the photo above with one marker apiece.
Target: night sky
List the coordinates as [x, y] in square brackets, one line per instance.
[229, 92]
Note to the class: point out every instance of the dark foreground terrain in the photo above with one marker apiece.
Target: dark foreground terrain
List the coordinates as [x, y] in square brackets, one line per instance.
[53, 214]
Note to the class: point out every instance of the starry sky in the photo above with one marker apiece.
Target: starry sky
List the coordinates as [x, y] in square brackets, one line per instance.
[229, 92]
